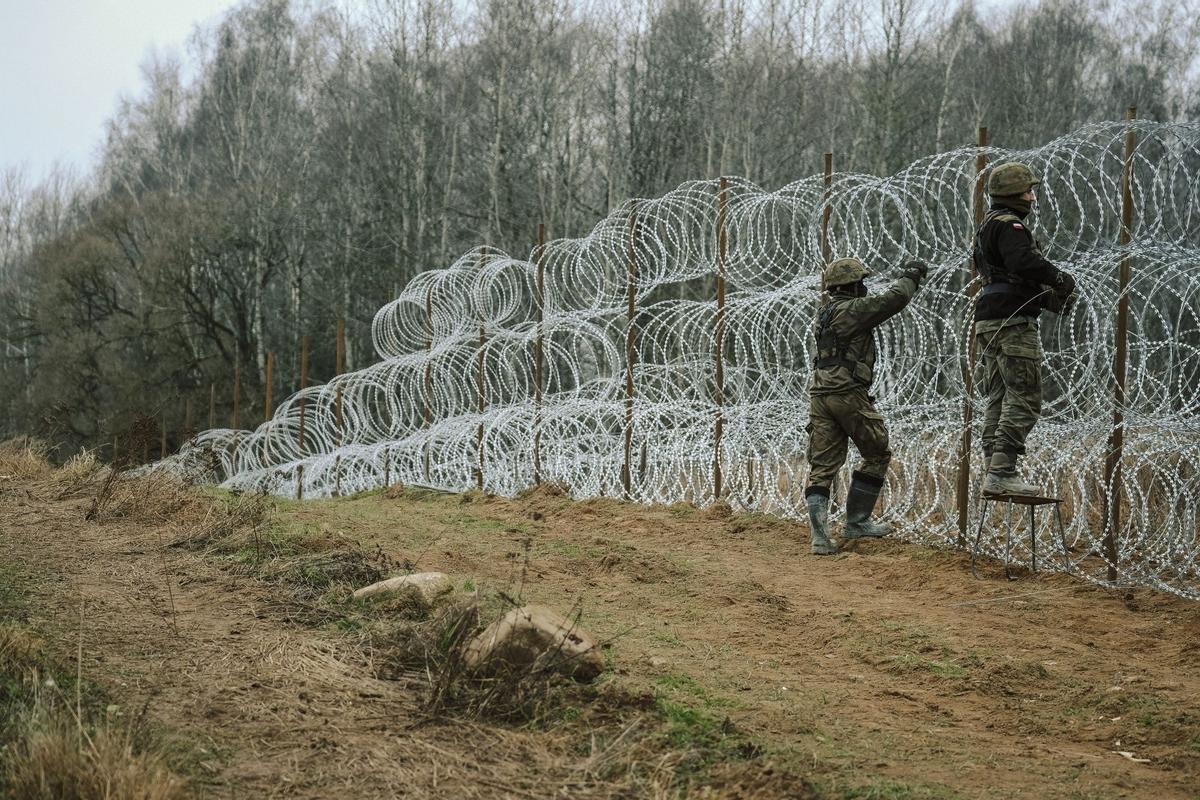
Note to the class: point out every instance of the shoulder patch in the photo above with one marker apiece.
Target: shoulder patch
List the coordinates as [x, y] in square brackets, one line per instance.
[1018, 226]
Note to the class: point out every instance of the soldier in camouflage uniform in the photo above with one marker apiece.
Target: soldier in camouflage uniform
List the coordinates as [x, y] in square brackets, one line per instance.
[1018, 283]
[840, 408]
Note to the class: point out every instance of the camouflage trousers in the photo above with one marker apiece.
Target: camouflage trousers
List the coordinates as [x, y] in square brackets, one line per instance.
[1009, 374]
[834, 420]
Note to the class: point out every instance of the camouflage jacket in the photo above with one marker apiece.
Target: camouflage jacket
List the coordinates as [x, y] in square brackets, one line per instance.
[844, 330]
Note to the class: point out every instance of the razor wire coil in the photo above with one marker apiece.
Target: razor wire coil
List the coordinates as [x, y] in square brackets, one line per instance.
[472, 329]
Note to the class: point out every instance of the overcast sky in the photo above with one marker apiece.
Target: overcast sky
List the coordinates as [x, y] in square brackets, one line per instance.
[64, 63]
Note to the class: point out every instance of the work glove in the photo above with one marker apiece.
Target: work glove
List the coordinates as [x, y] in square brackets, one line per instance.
[916, 270]
[1061, 295]
[1064, 284]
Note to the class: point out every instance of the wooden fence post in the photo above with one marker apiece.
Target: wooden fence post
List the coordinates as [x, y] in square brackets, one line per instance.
[631, 279]
[480, 386]
[538, 365]
[963, 490]
[719, 338]
[237, 397]
[300, 482]
[428, 373]
[826, 252]
[339, 357]
[267, 405]
[339, 345]
[212, 406]
[1116, 441]
[303, 386]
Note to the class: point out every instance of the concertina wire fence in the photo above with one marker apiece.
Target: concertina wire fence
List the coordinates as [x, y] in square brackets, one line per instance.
[415, 416]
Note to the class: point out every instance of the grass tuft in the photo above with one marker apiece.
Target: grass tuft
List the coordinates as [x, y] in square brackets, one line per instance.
[51, 751]
[24, 457]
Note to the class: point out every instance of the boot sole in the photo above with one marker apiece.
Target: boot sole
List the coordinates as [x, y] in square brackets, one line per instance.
[1009, 492]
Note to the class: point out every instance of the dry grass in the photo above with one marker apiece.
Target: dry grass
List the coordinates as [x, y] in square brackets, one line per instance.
[54, 761]
[408, 641]
[213, 525]
[53, 749]
[24, 458]
[18, 649]
[155, 497]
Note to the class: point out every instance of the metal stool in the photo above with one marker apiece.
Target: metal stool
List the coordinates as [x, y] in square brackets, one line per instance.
[1033, 502]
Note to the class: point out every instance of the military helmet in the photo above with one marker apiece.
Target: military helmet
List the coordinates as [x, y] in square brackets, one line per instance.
[843, 271]
[1011, 178]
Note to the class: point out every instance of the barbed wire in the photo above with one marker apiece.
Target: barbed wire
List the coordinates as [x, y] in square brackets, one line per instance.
[452, 402]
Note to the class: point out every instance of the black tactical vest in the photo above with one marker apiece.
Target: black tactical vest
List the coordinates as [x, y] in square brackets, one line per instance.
[832, 350]
[996, 279]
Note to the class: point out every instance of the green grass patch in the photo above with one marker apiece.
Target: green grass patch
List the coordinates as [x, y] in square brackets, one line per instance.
[680, 683]
[908, 662]
[572, 550]
[14, 588]
[689, 727]
[693, 715]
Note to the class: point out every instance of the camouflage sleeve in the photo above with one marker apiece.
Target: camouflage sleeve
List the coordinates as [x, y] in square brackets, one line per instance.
[1021, 257]
[864, 313]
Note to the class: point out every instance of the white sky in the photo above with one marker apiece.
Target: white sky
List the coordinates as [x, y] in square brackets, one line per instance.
[64, 64]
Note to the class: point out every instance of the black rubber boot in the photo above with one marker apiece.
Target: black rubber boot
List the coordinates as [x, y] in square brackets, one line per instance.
[860, 502]
[818, 520]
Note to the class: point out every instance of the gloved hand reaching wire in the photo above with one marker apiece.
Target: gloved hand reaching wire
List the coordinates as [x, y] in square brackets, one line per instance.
[916, 270]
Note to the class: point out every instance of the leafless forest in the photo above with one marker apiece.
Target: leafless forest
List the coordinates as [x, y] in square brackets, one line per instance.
[295, 165]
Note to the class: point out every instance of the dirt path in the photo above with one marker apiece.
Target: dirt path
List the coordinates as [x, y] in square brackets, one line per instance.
[886, 672]
[272, 709]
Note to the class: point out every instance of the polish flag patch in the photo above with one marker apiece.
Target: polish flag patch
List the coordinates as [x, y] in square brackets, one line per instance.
[1018, 226]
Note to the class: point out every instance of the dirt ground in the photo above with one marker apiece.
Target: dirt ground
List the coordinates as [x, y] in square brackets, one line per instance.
[884, 672]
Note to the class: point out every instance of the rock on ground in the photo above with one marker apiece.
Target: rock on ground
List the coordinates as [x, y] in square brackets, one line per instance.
[430, 585]
[523, 635]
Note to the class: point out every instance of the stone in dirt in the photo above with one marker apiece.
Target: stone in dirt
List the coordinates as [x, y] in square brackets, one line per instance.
[523, 635]
[430, 585]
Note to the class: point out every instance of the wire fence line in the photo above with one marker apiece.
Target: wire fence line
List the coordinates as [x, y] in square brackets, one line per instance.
[665, 356]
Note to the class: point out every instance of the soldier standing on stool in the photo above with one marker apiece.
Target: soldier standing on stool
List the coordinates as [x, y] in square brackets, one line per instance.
[839, 406]
[1018, 282]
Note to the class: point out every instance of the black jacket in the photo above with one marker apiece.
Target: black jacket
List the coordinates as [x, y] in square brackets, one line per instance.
[1006, 253]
